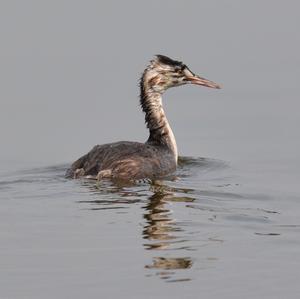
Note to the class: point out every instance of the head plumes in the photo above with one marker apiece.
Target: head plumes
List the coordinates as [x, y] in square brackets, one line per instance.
[166, 61]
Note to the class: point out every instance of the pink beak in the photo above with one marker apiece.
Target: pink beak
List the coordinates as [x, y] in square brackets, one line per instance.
[204, 82]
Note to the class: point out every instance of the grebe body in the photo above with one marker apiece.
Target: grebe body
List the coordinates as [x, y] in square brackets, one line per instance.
[155, 158]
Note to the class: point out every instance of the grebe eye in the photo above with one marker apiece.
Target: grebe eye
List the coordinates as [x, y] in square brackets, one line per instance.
[178, 69]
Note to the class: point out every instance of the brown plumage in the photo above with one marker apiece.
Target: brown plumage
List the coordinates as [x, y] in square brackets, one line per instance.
[155, 158]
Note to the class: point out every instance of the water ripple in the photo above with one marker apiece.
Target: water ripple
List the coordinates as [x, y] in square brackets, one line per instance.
[181, 215]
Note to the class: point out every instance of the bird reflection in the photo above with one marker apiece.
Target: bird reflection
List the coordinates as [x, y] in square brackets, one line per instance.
[160, 231]
[171, 263]
[160, 224]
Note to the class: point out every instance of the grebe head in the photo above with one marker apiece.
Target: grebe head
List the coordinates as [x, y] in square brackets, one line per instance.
[164, 72]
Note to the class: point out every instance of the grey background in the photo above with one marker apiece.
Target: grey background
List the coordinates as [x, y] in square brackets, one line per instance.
[70, 70]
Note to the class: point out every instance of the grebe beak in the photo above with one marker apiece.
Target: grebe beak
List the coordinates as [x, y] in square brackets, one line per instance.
[202, 81]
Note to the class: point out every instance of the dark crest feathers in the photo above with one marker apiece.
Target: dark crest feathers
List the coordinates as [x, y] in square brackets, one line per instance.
[166, 60]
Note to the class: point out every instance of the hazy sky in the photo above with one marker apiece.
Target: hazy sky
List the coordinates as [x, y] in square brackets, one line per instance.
[70, 69]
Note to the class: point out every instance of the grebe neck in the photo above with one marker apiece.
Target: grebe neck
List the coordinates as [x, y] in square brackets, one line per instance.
[156, 120]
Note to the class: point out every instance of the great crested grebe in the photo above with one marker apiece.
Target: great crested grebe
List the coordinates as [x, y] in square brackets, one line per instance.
[155, 158]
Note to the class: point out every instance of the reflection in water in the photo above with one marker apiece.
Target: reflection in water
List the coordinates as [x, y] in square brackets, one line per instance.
[159, 225]
[171, 263]
[160, 228]
[112, 196]
[167, 241]
[185, 222]
[160, 232]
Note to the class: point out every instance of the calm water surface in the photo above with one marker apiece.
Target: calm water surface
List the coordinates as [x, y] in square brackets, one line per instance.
[212, 229]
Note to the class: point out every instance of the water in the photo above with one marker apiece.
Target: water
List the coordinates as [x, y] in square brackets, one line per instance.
[206, 230]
